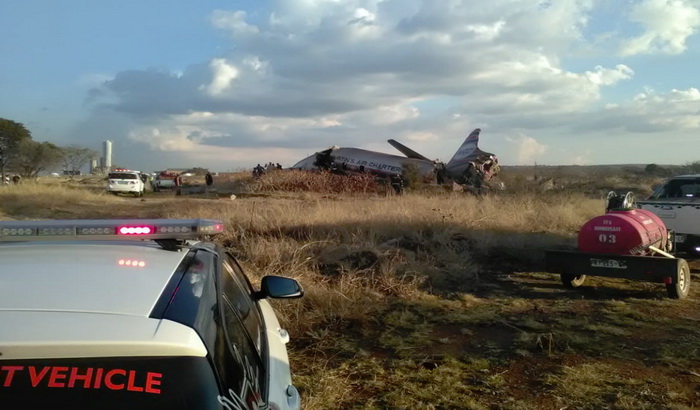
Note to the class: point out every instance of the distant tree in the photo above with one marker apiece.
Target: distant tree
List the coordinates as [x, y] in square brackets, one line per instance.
[693, 167]
[75, 157]
[11, 134]
[33, 157]
[654, 169]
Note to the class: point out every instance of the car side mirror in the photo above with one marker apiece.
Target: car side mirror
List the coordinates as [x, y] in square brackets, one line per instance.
[279, 287]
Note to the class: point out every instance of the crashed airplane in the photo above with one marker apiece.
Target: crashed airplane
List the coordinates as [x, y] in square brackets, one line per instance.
[469, 165]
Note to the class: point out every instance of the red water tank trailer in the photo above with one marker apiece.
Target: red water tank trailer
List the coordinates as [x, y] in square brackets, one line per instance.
[624, 243]
[624, 232]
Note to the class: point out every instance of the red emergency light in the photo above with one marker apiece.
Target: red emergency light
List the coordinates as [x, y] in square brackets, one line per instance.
[135, 230]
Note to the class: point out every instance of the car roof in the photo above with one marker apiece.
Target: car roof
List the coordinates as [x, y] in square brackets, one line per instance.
[687, 176]
[97, 288]
[120, 277]
[124, 172]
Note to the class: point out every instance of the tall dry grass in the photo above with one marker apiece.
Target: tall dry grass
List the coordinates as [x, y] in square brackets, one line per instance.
[407, 241]
[353, 254]
[349, 252]
[49, 199]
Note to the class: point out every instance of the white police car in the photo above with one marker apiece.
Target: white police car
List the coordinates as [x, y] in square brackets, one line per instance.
[126, 181]
[136, 314]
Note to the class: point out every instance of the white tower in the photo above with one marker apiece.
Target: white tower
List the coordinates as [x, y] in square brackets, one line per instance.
[108, 155]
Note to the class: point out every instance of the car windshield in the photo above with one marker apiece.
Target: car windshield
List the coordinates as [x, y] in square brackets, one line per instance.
[110, 383]
[678, 188]
[122, 175]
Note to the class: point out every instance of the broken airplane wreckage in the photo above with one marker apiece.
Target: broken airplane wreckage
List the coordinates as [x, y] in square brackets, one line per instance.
[469, 165]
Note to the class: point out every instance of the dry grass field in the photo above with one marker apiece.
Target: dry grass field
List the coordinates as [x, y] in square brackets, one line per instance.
[435, 299]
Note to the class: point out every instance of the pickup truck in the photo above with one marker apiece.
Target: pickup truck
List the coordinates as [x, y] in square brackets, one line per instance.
[677, 203]
[165, 180]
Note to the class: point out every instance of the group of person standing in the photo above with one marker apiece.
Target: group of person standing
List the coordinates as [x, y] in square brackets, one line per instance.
[14, 180]
[260, 170]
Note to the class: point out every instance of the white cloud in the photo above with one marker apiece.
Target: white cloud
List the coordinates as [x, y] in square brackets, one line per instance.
[672, 111]
[179, 140]
[235, 21]
[392, 114]
[691, 94]
[223, 74]
[487, 32]
[529, 150]
[317, 73]
[667, 25]
[315, 58]
[364, 15]
[579, 158]
[163, 140]
[606, 76]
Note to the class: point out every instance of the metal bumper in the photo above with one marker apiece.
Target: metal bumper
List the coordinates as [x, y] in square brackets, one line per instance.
[642, 268]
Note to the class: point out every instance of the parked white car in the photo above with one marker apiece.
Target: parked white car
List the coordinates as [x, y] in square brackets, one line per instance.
[126, 182]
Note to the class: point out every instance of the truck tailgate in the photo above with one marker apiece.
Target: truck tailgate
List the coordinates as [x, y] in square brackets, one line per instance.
[680, 215]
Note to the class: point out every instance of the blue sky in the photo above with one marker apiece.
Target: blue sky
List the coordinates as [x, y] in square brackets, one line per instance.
[228, 84]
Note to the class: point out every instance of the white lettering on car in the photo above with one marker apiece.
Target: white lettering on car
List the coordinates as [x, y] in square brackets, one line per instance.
[249, 397]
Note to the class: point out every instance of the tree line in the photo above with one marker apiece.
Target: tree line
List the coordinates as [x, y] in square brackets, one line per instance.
[20, 154]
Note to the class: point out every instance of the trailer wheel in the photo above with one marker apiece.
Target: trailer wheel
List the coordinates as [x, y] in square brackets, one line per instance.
[681, 288]
[572, 281]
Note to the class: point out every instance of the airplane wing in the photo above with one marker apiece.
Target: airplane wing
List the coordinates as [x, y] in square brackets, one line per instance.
[406, 151]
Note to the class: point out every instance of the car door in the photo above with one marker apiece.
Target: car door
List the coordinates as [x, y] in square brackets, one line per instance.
[239, 290]
[243, 330]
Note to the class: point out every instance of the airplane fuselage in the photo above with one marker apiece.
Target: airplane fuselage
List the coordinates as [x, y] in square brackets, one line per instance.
[356, 159]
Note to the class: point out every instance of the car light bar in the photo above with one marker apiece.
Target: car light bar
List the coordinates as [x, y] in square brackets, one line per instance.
[108, 229]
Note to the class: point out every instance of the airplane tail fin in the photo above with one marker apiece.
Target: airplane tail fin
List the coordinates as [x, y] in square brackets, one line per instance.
[469, 152]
